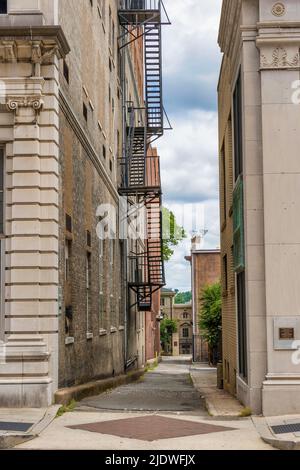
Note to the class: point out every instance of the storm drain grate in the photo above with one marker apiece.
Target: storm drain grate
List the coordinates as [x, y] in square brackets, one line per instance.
[15, 427]
[286, 428]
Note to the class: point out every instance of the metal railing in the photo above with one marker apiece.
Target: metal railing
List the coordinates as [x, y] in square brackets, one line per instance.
[140, 5]
[129, 168]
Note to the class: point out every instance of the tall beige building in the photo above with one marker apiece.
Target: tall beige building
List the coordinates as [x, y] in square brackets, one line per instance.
[77, 118]
[259, 114]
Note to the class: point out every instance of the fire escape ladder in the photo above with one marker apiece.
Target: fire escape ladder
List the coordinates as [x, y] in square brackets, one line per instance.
[136, 163]
[144, 18]
[156, 272]
[153, 81]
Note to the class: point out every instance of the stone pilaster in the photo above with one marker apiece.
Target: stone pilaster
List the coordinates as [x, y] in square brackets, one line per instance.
[29, 373]
[279, 46]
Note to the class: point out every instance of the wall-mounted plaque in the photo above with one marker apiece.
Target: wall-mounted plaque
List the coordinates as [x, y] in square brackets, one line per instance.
[286, 333]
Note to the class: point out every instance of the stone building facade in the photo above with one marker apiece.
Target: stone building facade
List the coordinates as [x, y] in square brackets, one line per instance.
[66, 317]
[205, 270]
[167, 302]
[183, 338]
[258, 97]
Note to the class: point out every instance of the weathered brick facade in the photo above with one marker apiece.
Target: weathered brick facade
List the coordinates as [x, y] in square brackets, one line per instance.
[229, 321]
[67, 315]
[205, 269]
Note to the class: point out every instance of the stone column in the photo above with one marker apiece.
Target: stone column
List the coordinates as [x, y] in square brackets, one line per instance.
[280, 65]
[28, 377]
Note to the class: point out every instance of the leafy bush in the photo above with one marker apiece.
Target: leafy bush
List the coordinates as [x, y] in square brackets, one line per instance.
[210, 321]
[167, 328]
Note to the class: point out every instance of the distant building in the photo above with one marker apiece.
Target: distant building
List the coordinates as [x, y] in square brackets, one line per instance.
[167, 302]
[205, 270]
[183, 338]
[152, 329]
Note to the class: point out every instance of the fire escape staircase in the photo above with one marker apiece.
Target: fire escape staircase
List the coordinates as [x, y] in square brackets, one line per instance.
[140, 171]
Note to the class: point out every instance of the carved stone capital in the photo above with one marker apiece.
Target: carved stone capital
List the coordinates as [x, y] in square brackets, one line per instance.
[15, 103]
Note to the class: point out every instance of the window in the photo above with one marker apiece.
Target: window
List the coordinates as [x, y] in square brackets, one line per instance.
[88, 292]
[88, 238]
[68, 249]
[68, 223]
[223, 182]
[111, 280]
[118, 144]
[85, 111]
[162, 302]
[225, 273]
[3, 7]
[185, 332]
[101, 281]
[242, 325]
[1, 191]
[101, 8]
[111, 165]
[66, 71]
[110, 27]
[238, 227]
[104, 152]
[238, 128]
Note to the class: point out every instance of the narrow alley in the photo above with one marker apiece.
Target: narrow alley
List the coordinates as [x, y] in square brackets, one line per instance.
[162, 410]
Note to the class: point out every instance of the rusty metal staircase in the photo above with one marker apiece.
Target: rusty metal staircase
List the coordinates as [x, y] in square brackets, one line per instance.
[153, 81]
[140, 169]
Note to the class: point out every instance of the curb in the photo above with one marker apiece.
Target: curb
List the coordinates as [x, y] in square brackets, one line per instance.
[12, 439]
[210, 407]
[268, 437]
[65, 395]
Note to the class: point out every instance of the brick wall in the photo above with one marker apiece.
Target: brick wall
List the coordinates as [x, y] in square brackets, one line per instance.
[229, 321]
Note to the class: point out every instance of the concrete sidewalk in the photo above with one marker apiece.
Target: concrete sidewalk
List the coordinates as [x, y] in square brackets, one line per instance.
[218, 402]
[282, 432]
[19, 425]
[160, 412]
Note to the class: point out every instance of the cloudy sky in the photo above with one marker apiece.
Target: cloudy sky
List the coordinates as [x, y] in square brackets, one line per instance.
[189, 153]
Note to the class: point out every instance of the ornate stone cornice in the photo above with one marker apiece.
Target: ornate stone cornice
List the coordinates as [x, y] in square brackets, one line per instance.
[49, 35]
[279, 59]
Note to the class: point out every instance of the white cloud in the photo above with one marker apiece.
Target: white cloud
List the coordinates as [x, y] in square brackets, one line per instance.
[189, 153]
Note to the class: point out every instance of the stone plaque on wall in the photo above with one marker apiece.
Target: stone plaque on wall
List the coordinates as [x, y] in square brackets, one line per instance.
[286, 333]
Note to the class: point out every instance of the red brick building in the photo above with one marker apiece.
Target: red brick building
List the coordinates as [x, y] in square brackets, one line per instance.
[205, 270]
[152, 329]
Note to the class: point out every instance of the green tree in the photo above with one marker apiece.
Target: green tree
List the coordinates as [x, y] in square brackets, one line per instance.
[172, 233]
[167, 328]
[210, 320]
[183, 297]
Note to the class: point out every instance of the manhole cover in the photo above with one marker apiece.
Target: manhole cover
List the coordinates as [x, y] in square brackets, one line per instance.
[15, 427]
[151, 428]
[286, 428]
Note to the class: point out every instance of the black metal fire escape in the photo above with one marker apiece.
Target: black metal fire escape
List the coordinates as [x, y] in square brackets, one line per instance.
[140, 166]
